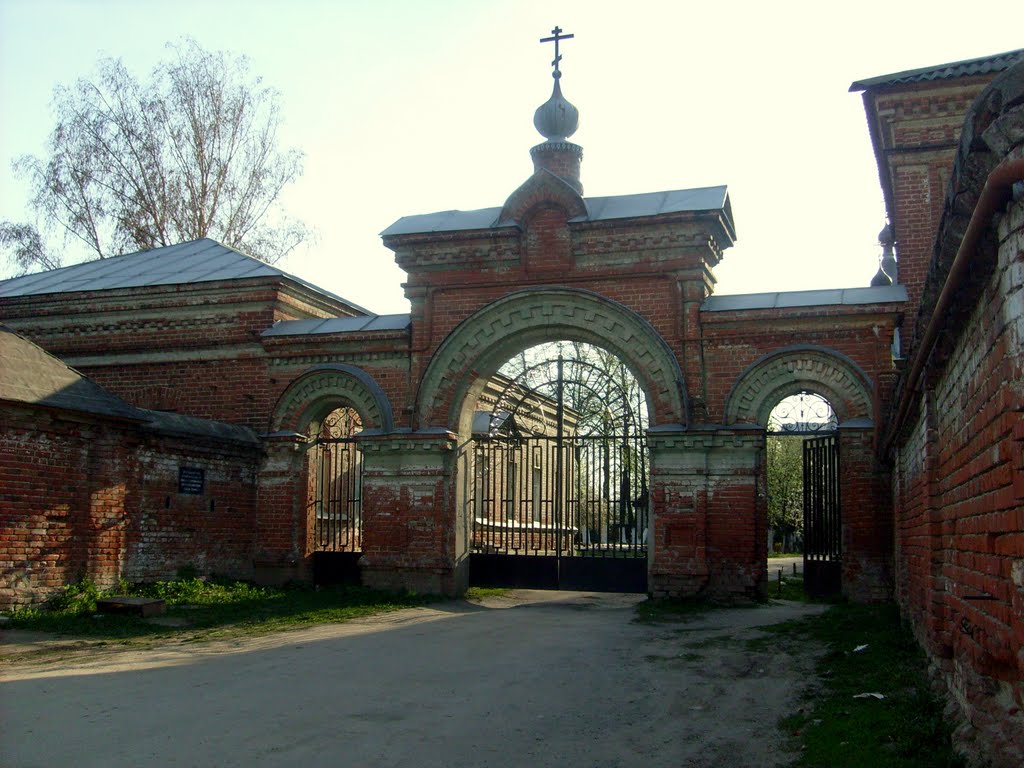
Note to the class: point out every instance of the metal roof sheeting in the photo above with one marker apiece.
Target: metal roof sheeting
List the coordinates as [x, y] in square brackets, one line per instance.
[980, 66]
[598, 209]
[198, 261]
[361, 324]
[792, 299]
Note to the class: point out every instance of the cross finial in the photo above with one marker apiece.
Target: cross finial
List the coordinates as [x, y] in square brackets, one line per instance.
[556, 36]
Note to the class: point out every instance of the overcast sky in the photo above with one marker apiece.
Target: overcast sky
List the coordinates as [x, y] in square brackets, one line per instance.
[406, 107]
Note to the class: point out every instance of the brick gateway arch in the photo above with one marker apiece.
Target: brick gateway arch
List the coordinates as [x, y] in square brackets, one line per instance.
[633, 274]
[525, 500]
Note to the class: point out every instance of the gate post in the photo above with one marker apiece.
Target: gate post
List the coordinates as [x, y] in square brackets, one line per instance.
[411, 533]
[709, 516]
[866, 515]
[281, 526]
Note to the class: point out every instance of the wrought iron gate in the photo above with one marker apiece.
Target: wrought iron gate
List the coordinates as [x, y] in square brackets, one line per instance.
[558, 495]
[822, 524]
[336, 509]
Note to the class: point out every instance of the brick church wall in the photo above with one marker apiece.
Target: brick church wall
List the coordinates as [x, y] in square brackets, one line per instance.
[958, 485]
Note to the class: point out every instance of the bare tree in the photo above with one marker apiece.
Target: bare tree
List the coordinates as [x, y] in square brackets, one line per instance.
[190, 153]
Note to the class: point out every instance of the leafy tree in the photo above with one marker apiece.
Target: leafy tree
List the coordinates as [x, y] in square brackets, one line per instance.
[785, 483]
[190, 153]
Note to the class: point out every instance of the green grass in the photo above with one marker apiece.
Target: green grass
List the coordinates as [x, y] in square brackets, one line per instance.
[480, 593]
[834, 729]
[205, 608]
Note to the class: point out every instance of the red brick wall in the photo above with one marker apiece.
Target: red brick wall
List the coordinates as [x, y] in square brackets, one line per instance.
[90, 498]
[734, 340]
[958, 485]
[212, 532]
[63, 487]
[960, 508]
[918, 127]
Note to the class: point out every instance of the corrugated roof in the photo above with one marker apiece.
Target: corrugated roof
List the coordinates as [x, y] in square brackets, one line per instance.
[791, 299]
[198, 261]
[30, 374]
[359, 324]
[598, 209]
[980, 66]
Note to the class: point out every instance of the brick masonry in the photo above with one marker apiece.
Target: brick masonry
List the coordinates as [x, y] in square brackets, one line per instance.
[958, 474]
[86, 497]
[934, 507]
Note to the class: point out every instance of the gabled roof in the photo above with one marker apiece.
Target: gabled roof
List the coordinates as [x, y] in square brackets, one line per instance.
[30, 375]
[198, 261]
[980, 66]
[598, 209]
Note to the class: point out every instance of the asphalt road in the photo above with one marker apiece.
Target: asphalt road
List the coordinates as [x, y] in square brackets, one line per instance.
[533, 679]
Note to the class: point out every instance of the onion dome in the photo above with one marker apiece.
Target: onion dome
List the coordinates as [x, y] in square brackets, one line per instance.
[556, 119]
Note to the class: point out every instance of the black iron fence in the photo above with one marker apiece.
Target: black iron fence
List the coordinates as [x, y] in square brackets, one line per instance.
[563, 496]
[822, 524]
[336, 499]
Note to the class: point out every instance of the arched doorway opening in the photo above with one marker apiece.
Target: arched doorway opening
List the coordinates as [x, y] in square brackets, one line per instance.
[334, 509]
[803, 487]
[556, 472]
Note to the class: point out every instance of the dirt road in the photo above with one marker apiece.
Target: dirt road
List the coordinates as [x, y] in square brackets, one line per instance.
[530, 679]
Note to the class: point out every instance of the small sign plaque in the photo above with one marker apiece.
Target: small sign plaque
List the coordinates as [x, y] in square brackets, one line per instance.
[191, 480]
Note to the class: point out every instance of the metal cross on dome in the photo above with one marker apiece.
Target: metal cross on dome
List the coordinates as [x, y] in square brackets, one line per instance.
[555, 38]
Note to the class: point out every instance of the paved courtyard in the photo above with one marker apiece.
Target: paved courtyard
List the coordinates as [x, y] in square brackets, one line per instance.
[529, 679]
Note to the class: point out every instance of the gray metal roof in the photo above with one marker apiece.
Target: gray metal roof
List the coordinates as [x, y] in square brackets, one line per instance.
[198, 261]
[598, 209]
[190, 426]
[359, 324]
[885, 294]
[31, 375]
[981, 66]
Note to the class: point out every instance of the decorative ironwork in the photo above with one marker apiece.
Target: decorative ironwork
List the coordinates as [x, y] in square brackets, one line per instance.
[561, 472]
[336, 477]
[802, 413]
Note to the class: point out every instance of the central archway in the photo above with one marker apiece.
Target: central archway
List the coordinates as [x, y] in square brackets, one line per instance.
[556, 472]
[480, 344]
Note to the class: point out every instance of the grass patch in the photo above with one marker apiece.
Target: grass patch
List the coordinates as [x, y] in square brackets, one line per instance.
[834, 729]
[206, 607]
[481, 593]
[791, 587]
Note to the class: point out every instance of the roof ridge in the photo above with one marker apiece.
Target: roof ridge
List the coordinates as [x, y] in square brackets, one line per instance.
[917, 74]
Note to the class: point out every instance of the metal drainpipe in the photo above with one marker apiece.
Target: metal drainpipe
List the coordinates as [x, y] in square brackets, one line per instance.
[994, 195]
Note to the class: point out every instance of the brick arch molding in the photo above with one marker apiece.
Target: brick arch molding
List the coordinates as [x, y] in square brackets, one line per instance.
[480, 344]
[323, 388]
[787, 371]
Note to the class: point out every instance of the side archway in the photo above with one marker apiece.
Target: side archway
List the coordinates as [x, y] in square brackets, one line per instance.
[320, 390]
[790, 370]
[481, 343]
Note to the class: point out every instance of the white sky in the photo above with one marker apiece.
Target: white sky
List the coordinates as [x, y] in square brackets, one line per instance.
[407, 107]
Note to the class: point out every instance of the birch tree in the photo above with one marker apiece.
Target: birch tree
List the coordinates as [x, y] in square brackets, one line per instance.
[192, 152]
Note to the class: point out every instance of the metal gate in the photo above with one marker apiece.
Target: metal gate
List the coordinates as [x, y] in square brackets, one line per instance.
[336, 510]
[559, 496]
[822, 524]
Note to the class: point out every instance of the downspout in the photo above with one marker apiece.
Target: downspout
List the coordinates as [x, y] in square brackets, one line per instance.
[996, 192]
